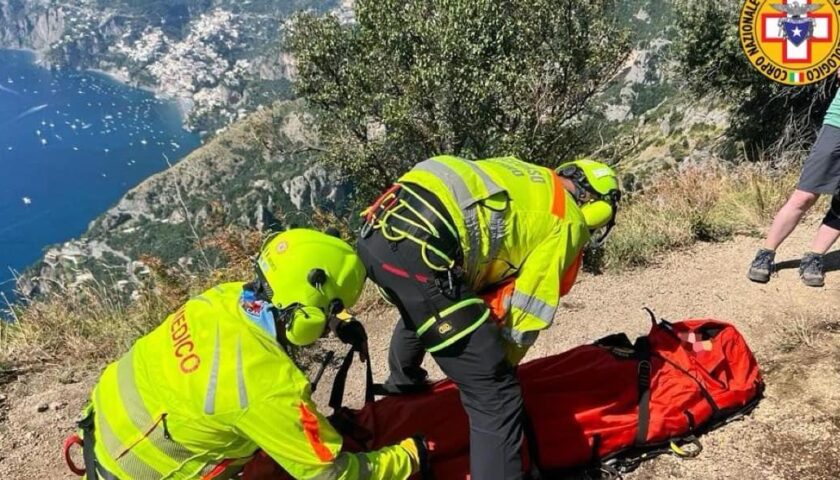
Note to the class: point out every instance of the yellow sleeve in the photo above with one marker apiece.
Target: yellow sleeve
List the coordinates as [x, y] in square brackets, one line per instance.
[515, 353]
[536, 293]
[293, 433]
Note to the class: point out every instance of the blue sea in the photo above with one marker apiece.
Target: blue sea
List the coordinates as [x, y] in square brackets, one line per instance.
[71, 144]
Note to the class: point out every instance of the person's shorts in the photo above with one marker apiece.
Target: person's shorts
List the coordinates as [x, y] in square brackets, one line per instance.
[821, 172]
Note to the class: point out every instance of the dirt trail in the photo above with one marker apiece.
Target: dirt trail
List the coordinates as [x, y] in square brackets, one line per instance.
[794, 330]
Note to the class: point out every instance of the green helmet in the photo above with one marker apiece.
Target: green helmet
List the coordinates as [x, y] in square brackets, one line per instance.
[308, 275]
[597, 194]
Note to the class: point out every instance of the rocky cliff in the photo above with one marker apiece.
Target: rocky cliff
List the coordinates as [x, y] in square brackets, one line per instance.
[261, 170]
[30, 24]
[221, 58]
[260, 173]
[644, 121]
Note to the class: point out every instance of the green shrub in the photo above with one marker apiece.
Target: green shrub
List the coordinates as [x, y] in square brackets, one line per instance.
[413, 79]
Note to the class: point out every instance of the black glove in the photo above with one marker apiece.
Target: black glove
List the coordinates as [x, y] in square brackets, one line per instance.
[351, 332]
[423, 451]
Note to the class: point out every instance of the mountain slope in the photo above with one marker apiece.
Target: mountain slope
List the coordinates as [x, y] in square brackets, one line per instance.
[645, 126]
[645, 121]
[260, 167]
[791, 328]
[220, 57]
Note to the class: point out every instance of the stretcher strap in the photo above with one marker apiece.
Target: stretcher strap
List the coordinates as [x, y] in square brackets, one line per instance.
[337, 394]
[643, 382]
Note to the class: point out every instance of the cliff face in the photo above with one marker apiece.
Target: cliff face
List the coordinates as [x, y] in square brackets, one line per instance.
[221, 58]
[644, 119]
[30, 24]
[259, 173]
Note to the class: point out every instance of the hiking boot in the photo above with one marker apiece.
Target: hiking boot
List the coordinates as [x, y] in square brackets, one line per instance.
[812, 270]
[762, 266]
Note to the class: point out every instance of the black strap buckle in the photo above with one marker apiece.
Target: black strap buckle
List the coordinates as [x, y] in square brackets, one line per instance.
[447, 327]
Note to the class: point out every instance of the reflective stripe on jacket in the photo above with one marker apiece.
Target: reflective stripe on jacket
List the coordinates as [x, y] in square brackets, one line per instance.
[207, 385]
[515, 221]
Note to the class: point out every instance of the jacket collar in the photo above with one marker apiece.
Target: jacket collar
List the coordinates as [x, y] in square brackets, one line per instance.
[258, 311]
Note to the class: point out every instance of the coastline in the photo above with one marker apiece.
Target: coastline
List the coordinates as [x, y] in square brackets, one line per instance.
[179, 108]
[37, 56]
[118, 77]
[184, 105]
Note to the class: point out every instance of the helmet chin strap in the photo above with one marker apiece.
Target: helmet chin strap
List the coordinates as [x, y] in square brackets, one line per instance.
[599, 241]
[262, 289]
[281, 321]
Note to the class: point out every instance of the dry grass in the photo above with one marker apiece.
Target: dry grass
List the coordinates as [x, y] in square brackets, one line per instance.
[796, 330]
[91, 322]
[96, 322]
[709, 202]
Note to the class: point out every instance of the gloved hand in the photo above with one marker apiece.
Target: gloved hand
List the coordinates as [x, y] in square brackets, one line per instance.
[418, 451]
[351, 332]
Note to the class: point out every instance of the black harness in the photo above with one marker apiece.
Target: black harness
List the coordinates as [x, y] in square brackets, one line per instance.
[93, 470]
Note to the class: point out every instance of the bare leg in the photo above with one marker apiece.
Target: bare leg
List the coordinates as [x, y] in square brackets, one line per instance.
[788, 217]
[829, 230]
[824, 239]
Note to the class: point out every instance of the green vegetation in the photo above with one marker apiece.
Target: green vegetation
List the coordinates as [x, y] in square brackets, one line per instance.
[711, 202]
[473, 78]
[765, 115]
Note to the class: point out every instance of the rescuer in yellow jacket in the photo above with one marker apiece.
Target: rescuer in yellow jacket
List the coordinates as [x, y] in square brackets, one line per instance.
[199, 395]
[451, 229]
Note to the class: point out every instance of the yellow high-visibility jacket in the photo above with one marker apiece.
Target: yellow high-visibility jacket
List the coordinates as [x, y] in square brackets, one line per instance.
[515, 221]
[210, 384]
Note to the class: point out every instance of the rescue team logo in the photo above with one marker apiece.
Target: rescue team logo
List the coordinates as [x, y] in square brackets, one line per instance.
[790, 41]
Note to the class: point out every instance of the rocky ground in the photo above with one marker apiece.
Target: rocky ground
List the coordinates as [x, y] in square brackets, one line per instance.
[794, 330]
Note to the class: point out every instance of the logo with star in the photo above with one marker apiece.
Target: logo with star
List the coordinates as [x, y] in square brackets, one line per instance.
[794, 42]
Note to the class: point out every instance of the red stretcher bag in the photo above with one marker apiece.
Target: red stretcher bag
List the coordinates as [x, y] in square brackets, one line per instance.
[605, 406]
